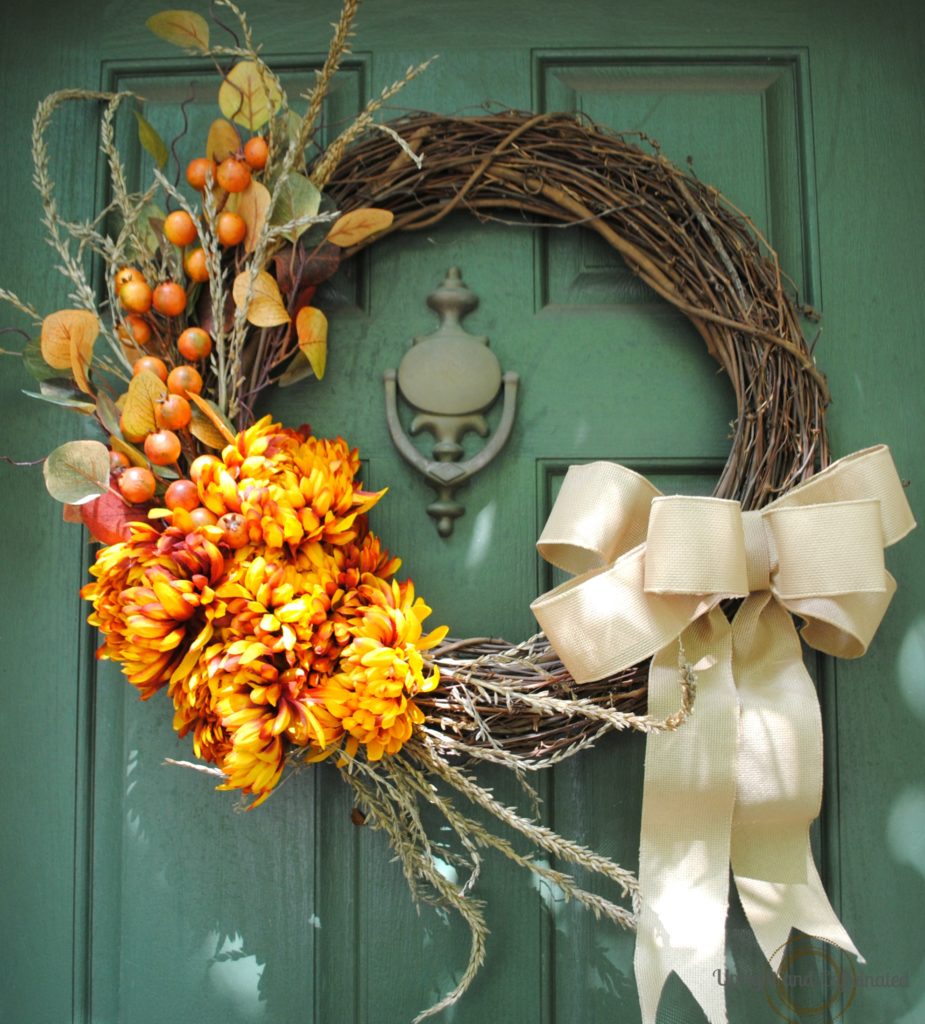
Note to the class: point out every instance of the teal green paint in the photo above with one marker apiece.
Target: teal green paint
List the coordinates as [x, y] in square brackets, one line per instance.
[810, 116]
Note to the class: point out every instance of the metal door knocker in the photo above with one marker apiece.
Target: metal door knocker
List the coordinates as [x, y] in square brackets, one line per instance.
[451, 378]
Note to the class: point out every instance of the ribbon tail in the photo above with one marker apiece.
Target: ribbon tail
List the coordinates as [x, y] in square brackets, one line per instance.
[773, 908]
[778, 784]
[688, 796]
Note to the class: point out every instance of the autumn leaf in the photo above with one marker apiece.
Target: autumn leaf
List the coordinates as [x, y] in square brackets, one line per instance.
[358, 225]
[266, 307]
[182, 28]
[252, 205]
[144, 390]
[62, 329]
[71, 513]
[108, 517]
[204, 430]
[67, 342]
[248, 95]
[222, 141]
[151, 141]
[77, 472]
[213, 415]
[312, 331]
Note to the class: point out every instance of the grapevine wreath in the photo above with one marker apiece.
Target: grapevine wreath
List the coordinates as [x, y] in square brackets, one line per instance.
[239, 570]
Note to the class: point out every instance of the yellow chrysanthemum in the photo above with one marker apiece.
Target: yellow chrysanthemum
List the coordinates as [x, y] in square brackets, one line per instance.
[154, 600]
[289, 488]
[380, 671]
[293, 638]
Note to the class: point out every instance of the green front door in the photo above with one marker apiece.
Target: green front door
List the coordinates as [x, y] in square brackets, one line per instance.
[132, 893]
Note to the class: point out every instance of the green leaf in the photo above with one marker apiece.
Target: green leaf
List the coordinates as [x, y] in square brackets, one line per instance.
[151, 141]
[77, 472]
[318, 232]
[186, 29]
[108, 414]
[298, 197]
[298, 369]
[151, 221]
[35, 364]
[59, 394]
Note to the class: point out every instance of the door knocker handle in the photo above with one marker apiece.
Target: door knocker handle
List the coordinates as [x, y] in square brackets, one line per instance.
[451, 378]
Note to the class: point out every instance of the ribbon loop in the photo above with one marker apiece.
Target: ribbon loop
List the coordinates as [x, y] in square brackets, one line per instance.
[695, 546]
[812, 541]
[652, 572]
[600, 514]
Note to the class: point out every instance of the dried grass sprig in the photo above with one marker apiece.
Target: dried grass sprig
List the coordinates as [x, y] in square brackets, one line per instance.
[332, 156]
[392, 792]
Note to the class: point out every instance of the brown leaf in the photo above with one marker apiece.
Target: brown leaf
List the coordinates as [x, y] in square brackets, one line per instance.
[252, 205]
[66, 332]
[72, 513]
[322, 264]
[144, 391]
[223, 140]
[204, 430]
[358, 225]
[266, 307]
[312, 329]
[211, 415]
[108, 517]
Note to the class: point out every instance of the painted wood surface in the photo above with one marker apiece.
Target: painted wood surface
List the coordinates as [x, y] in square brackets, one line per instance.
[131, 892]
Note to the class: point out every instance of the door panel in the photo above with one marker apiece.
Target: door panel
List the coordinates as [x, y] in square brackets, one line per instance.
[137, 893]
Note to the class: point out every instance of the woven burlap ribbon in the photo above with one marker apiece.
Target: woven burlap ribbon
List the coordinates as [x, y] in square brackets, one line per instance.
[741, 781]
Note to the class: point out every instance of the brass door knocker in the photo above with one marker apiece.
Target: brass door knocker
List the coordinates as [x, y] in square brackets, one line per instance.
[451, 378]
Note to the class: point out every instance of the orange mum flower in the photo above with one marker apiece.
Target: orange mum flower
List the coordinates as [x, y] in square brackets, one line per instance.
[293, 639]
[289, 488]
[371, 696]
[154, 599]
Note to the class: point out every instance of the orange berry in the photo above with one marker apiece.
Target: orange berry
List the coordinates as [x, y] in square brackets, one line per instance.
[180, 228]
[125, 274]
[201, 516]
[194, 344]
[152, 364]
[173, 412]
[118, 460]
[195, 265]
[137, 484]
[256, 152]
[170, 298]
[182, 494]
[136, 296]
[230, 228]
[198, 171]
[163, 447]
[136, 329]
[233, 175]
[200, 464]
[235, 530]
[182, 379]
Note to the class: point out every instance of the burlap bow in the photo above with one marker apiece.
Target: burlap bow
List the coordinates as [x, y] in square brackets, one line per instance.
[741, 781]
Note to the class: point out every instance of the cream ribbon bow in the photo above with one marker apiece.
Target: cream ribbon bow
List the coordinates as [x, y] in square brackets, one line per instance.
[741, 781]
